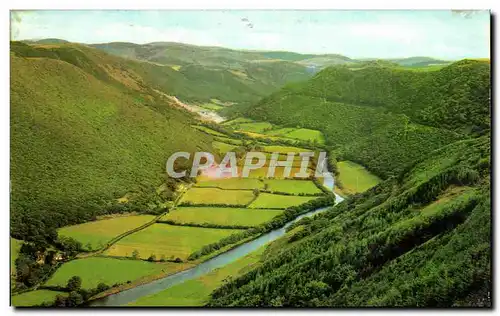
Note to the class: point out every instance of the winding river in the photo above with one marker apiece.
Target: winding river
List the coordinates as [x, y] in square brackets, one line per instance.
[221, 260]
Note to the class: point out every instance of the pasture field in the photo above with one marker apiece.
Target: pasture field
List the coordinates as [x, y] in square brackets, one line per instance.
[307, 135]
[292, 186]
[281, 131]
[196, 292]
[15, 246]
[254, 127]
[217, 196]
[208, 130]
[33, 298]
[267, 200]
[97, 233]
[238, 120]
[221, 216]
[285, 149]
[304, 134]
[94, 270]
[227, 140]
[258, 135]
[211, 106]
[223, 147]
[232, 183]
[355, 178]
[278, 172]
[168, 240]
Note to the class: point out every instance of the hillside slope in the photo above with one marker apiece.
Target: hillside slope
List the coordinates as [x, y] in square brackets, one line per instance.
[419, 240]
[198, 73]
[384, 117]
[85, 131]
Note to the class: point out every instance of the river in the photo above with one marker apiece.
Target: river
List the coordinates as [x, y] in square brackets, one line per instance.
[221, 260]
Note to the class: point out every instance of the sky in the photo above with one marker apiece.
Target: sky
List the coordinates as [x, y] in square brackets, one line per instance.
[443, 34]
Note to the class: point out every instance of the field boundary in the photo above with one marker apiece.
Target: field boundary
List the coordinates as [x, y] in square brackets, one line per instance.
[127, 233]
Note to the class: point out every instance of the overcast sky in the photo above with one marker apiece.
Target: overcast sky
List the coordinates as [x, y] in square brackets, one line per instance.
[383, 34]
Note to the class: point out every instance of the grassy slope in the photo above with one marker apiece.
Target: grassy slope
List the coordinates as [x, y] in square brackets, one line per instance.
[81, 137]
[422, 239]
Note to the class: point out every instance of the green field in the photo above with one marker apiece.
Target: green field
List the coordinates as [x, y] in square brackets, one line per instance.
[217, 196]
[196, 292]
[223, 147]
[304, 134]
[355, 178]
[278, 172]
[292, 186]
[254, 127]
[15, 246]
[238, 120]
[94, 270]
[167, 240]
[98, 233]
[208, 130]
[33, 298]
[227, 140]
[211, 106]
[266, 200]
[221, 215]
[285, 149]
[232, 183]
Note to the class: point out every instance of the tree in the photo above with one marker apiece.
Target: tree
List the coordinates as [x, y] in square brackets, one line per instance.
[101, 287]
[152, 257]
[74, 283]
[135, 254]
[74, 299]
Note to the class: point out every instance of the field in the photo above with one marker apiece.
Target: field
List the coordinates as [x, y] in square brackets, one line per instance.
[196, 292]
[278, 172]
[34, 298]
[110, 271]
[238, 120]
[217, 196]
[355, 178]
[208, 130]
[285, 149]
[15, 246]
[167, 240]
[255, 127]
[97, 233]
[223, 147]
[266, 200]
[221, 216]
[232, 183]
[304, 134]
[292, 186]
[211, 106]
[231, 141]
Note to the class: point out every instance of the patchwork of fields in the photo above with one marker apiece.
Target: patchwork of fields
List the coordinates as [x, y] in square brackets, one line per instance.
[138, 247]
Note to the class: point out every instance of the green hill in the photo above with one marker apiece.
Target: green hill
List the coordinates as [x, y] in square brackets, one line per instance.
[85, 131]
[199, 73]
[384, 117]
[422, 239]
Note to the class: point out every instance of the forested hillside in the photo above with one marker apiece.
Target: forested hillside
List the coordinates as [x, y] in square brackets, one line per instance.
[382, 116]
[420, 239]
[86, 130]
